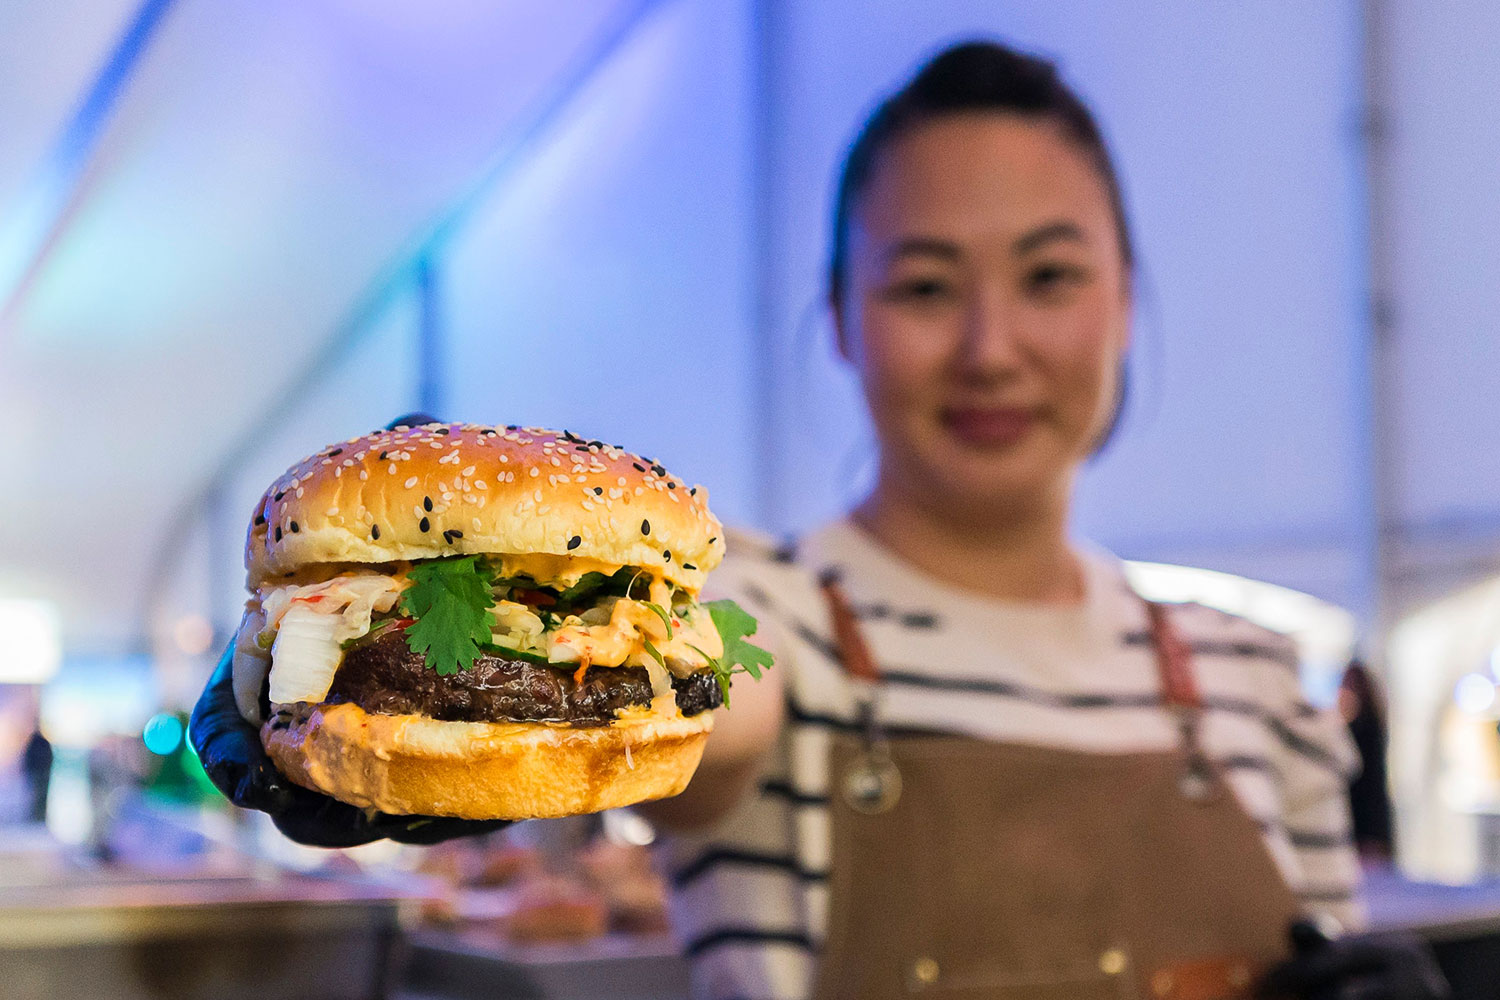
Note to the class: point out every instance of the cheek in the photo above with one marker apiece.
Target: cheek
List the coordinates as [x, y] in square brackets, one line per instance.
[1084, 359]
[900, 359]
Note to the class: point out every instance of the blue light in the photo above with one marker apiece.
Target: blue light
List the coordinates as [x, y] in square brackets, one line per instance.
[163, 734]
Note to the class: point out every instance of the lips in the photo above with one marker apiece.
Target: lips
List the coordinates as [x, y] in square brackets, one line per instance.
[989, 426]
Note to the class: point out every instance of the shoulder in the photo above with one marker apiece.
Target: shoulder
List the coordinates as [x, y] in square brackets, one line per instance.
[1242, 662]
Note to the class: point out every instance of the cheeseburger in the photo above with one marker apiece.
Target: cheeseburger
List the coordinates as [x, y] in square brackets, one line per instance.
[485, 622]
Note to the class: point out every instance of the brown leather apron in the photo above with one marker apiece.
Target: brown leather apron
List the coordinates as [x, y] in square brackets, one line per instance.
[989, 871]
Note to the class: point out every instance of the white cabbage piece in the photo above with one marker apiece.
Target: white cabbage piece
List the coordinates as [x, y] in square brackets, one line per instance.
[305, 656]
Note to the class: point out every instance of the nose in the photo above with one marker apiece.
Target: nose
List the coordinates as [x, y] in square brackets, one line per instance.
[990, 348]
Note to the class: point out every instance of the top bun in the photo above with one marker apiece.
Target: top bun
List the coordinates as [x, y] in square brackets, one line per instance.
[454, 489]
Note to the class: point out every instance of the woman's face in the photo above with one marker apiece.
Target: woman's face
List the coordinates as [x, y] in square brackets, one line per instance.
[986, 309]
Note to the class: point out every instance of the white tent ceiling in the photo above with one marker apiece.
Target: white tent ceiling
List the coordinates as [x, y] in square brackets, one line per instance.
[257, 166]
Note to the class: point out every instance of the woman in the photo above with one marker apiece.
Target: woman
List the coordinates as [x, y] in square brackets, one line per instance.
[984, 767]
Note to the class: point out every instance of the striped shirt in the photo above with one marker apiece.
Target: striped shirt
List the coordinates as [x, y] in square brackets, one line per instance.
[750, 896]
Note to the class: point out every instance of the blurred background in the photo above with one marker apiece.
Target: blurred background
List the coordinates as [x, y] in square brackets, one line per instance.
[233, 232]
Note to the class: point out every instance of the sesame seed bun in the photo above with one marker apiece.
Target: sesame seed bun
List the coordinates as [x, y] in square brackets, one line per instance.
[410, 764]
[454, 489]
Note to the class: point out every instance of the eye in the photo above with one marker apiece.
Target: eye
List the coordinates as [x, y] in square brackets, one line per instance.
[919, 289]
[1053, 278]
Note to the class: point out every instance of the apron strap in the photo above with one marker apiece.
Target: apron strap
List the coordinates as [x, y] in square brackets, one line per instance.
[1174, 668]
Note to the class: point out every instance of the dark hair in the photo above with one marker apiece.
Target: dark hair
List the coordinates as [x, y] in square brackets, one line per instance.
[972, 76]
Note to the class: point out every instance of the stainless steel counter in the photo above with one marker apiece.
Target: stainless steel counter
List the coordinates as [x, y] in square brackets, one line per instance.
[133, 936]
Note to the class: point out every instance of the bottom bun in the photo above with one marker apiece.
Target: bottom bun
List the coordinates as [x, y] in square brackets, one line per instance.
[412, 764]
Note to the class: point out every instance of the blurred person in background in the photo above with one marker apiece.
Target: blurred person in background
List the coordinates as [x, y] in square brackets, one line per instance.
[1363, 709]
[984, 766]
[36, 765]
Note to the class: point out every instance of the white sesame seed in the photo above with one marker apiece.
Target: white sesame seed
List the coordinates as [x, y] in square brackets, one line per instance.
[299, 493]
[505, 458]
[411, 482]
[556, 460]
[535, 471]
[481, 484]
[639, 490]
[537, 496]
[620, 481]
[478, 524]
[469, 471]
[580, 479]
[543, 509]
[364, 473]
[587, 505]
[392, 469]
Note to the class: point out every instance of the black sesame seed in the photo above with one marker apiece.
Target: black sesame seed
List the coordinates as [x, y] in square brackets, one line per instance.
[260, 519]
[335, 453]
[596, 444]
[574, 542]
[713, 539]
[512, 427]
[489, 431]
[658, 470]
[427, 504]
[424, 525]
[666, 554]
[598, 491]
[451, 534]
[295, 529]
[693, 492]
[671, 486]
[645, 527]
[638, 467]
[279, 495]
[383, 454]
[688, 566]
[375, 532]
[580, 447]
[441, 430]
[278, 532]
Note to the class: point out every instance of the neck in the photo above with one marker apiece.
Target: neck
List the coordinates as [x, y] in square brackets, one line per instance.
[1018, 553]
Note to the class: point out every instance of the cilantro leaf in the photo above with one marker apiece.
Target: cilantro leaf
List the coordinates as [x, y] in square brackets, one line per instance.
[450, 600]
[734, 624]
[655, 653]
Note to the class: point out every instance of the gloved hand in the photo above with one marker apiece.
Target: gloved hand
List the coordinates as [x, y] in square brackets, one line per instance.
[1385, 966]
[231, 752]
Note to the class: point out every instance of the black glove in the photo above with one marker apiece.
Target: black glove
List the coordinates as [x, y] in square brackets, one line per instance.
[1383, 966]
[231, 753]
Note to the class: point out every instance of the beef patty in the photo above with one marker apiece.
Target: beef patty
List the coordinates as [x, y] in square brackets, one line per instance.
[385, 677]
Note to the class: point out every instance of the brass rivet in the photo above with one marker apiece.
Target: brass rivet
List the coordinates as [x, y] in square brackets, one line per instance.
[1239, 977]
[925, 971]
[1162, 983]
[1112, 962]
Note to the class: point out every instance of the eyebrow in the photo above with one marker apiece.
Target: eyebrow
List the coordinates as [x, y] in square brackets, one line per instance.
[1049, 233]
[924, 246]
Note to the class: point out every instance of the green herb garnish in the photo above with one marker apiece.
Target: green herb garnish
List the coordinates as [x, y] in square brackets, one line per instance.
[450, 600]
[655, 653]
[666, 619]
[734, 623]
